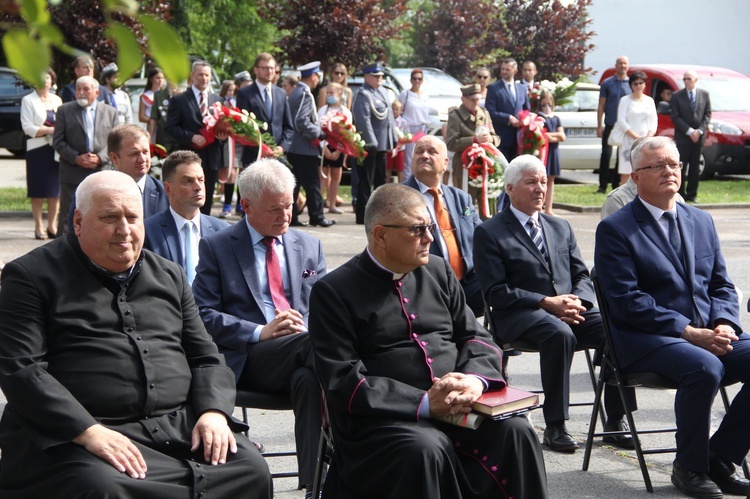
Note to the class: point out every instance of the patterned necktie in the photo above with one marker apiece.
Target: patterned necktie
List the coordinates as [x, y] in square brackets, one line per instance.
[449, 234]
[691, 94]
[191, 259]
[536, 236]
[269, 103]
[512, 90]
[202, 104]
[275, 282]
[674, 234]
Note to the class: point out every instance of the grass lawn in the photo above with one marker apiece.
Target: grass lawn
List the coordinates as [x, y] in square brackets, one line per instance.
[14, 199]
[709, 192]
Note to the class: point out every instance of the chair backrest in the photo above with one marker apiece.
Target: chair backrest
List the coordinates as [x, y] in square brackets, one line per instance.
[608, 351]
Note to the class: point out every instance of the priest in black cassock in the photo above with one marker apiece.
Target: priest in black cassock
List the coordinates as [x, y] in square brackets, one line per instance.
[396, 347]
[114, 387]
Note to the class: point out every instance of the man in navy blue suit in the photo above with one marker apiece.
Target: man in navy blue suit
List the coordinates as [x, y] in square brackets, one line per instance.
[674, 311]
[429, 163]
[505, 99]
[185, 187]
[185, 119]
[253, 288]
[253, 98]
[129, 152]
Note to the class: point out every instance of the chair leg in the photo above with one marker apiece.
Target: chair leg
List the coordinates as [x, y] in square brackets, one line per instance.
[725, 400]
[592, 377]
[634, 434]
[598, 390]
[245, 420]
[322, 463]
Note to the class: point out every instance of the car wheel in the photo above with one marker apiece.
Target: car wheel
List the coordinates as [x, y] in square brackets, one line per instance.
[705, 173]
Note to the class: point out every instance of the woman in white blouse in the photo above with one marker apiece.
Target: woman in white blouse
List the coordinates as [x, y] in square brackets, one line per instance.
[636, 114]
[38, 111]
[416, 113]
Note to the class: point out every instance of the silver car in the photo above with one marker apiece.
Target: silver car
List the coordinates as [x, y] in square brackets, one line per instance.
[582, 148]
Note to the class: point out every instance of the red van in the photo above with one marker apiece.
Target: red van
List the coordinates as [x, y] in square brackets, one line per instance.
[727, 146]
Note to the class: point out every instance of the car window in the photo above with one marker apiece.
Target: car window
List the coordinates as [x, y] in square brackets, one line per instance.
[583, 100]
[10, 85]
[435, 82]
[727, 94]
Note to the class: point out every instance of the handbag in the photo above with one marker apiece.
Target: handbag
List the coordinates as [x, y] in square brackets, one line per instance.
[617, 135]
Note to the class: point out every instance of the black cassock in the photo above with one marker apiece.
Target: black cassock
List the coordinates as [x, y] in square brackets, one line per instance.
[79, 347]
[378, 342]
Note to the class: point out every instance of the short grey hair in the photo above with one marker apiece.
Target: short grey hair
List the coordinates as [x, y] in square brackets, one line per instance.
[526, 163]
[265, 176]
[198, 63]
[105, 180]
[650, 144]
[88, 79]
[388, 204]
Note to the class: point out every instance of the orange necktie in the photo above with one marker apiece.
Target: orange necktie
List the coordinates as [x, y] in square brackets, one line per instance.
[449, 235]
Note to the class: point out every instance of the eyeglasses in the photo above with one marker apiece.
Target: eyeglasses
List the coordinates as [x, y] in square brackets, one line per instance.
[339, 73]
[416, 230]
[416, 79]
[687, 79]
[266, 68]
[661, 167]
[483, 77]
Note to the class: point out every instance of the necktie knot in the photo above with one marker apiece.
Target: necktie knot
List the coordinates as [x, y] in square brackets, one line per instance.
[269, 241]
[275, 280]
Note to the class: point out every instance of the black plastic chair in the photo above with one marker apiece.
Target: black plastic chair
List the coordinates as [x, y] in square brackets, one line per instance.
[269, 401]
[611, 373]
[325, 450]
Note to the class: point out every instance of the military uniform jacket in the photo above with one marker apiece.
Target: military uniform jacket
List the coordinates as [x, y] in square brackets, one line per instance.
[461, 128]
[373, 118]
[304, 121]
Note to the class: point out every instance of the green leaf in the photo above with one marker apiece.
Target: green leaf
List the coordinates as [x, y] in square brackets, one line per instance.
[28, 56]
[128, 7]
[129, 58]
[51, 34]
[166, 48]
[35, 11]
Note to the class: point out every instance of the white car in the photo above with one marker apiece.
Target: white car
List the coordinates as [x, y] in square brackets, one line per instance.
[582, 149]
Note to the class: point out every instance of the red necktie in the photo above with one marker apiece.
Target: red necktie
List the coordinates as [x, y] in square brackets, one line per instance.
[275, 282]
[449, 235]
[202, 103]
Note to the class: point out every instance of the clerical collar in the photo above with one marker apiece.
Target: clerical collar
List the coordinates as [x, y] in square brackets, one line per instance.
[396, 276]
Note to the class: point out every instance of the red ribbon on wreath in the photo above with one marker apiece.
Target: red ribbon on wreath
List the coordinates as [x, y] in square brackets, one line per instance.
[478, 160]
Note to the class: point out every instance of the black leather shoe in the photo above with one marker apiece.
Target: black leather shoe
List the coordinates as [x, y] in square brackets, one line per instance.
[694, 484]
[622, 441]
[558, 439]
[298, 223]
[722, 473]
[601, 191]
[322, 222]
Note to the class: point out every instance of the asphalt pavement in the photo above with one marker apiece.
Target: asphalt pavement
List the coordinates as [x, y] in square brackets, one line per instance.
[613, 473]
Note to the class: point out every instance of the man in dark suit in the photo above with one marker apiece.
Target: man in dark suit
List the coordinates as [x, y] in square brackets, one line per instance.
[80, 138]
[532, 275]
[455, 242]
[253, 288]
[129, 152]
[675, 311]
[185, 119]
[151, 416]
[83, 65]
[260, 97]
[304, 149]
[691, 113]
[505, 99]
[166, 232]
[373, 117]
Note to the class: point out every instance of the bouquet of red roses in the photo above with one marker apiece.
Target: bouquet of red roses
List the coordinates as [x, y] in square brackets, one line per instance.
[485, 165]
[343, 136]
[532, 136]
[245, 128]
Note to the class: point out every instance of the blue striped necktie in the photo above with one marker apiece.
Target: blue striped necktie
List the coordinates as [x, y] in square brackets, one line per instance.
[536, 236]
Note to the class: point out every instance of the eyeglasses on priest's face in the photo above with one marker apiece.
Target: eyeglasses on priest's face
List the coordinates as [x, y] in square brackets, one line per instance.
[415, 230]
[661, 167]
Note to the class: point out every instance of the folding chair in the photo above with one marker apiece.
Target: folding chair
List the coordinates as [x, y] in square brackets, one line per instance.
[611, 373]
[325, 450]
[270, 401]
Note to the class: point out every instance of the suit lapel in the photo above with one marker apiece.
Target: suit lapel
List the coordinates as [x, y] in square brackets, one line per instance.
[243, 249]
[519, 232]
[172, 237]
[551, 238]
[149, 196]
[293, 255]
[651, 228]
[687, 232]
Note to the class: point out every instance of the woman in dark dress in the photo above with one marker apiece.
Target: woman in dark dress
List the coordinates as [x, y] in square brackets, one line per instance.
[42, 171]
[555, 135]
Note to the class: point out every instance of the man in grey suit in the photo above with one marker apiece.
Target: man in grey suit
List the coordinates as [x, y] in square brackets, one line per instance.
[532, 275]
[129, 152]
[451, 207]
[253, 287]
[80, 138]
[691, 112]
[505, 99]
[373, 118]
[304, 150]
[167, 232]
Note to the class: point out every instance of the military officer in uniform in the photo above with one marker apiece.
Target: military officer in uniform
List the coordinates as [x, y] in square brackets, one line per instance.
[374, 120]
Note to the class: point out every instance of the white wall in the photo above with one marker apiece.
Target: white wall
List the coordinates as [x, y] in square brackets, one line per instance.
[701, 32]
